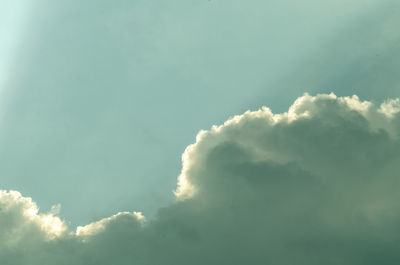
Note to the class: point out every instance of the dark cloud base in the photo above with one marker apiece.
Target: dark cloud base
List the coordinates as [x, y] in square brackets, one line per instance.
[315, 185]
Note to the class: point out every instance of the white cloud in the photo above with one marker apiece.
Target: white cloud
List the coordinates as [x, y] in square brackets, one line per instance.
[99, 226]
[390, 107]
[315, 185]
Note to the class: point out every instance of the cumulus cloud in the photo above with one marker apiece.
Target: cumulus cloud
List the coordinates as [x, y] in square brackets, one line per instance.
[317, 184]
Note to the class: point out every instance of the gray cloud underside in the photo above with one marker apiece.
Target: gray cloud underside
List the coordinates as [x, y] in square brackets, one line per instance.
[315, 185]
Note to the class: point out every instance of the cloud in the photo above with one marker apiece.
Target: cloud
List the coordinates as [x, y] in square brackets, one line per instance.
[317, 184]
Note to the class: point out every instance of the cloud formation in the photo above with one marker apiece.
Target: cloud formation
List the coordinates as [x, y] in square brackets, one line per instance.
[315, 185]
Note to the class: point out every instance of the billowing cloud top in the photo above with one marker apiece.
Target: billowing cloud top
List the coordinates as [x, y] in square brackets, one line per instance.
[315, 185]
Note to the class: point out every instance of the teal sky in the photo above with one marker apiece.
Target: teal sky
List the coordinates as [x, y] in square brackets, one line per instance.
[99, 99]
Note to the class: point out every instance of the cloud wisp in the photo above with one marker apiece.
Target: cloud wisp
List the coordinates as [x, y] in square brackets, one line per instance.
[317, 184]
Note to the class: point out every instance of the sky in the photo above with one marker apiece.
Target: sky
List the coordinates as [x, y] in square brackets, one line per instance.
[102, 101]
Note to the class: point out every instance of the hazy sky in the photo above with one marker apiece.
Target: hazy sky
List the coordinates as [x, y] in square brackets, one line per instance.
[99, 99]
[108, 153]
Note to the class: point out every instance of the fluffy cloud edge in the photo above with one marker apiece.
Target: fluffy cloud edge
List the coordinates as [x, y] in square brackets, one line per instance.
[378, 117]
[14, 204]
